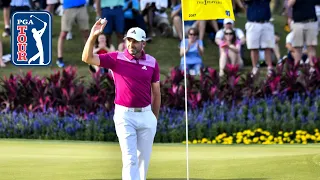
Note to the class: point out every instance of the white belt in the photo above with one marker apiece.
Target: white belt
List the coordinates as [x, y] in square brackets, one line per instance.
[129, 109]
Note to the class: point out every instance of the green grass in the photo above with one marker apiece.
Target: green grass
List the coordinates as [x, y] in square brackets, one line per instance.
[35, 159]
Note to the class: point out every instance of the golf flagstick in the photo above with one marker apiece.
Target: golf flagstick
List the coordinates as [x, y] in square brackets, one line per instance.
[185, 89]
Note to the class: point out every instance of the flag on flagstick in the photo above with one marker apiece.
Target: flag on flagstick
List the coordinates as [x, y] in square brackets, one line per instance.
[207, 9]
[200, 10]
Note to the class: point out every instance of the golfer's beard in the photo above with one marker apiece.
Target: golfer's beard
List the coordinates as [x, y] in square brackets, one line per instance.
[134, 51]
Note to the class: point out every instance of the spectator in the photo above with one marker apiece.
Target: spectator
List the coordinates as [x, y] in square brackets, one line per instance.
[133, 16]
[229, 24]
[50, 6]
[259, 32]
[102, 46]
[176, 16]
[6, 17]
[2, 64]
[148, 7]
[74, 11]
[194, 52]
[230, 48]
[292, 50]
[19, 5]
[161, 20]
[317, 8]
[275, 54]
[114, 14]
[304, 29]
[288, 14]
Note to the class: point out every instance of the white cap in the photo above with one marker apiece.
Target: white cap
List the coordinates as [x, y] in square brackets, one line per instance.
[136, 33]
[227, 20]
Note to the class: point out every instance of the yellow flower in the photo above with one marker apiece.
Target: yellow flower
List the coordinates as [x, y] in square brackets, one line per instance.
[304, 142]
[298, 132]
[298, 140]
[316, 130]
[292, 142]
[298, 136]
[183, 142]
[189, 142]
[279, 138]
[258, 130]
[267, 133]
[286, 134]
[318, 138]
[308, 136]
[209, 142]
[255, 140]
[214, 141]
[252, 134]
[199, 141]
[275, 139]
[313, 137]
[239, 141]
[239, 134]
[204, 140]
[317, 134]
[195, 141]
[303, 138]
[280, 132]
[284, 139]
[270, 138]
[280, 142]
[262, 138]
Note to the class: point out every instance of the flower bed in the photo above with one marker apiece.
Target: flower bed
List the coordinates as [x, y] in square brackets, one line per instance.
[273, 114]
[62, 107]
[259, 136]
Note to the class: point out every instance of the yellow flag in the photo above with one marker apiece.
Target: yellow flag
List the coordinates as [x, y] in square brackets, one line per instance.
[207, 9]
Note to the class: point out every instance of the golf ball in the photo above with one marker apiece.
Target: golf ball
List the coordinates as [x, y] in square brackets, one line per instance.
[103, 21]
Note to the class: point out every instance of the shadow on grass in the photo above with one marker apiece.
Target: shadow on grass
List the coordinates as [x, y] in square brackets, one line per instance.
[192, 179]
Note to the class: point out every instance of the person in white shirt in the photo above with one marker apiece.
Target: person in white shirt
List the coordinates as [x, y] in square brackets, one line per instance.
[229, 24]
[156, 15]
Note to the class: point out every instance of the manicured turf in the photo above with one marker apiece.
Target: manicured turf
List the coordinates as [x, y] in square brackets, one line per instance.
[66, 160]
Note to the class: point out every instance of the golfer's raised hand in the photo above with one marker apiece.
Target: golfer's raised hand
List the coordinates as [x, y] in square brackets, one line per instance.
[98, 27]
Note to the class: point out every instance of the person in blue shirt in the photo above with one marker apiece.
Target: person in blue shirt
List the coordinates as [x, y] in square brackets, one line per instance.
[194, 52]
[133, 16]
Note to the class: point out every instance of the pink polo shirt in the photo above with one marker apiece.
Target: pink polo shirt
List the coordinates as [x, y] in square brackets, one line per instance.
[132, 77]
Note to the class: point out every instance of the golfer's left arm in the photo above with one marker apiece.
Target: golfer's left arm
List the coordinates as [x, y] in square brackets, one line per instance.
[155, 92]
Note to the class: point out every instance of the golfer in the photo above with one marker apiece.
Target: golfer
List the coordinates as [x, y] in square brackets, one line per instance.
[137, 102]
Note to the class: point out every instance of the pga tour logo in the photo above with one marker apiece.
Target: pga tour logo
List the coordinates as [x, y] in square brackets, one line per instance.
[31, 38]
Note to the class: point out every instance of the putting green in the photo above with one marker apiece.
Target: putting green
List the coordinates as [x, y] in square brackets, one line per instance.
[69, 160]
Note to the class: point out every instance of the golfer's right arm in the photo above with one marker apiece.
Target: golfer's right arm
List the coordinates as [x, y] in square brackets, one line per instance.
[106, 60]
[87, 54]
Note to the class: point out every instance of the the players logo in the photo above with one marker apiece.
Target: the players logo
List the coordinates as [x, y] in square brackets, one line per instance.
[31, 34]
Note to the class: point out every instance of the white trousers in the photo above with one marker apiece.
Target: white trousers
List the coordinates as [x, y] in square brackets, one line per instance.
[136, 132]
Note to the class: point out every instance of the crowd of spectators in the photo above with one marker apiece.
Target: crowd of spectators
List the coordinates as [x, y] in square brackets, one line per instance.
[164, 18]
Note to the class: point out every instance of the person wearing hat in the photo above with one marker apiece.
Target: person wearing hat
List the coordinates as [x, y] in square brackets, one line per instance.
[137, 99]
[229, 24]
